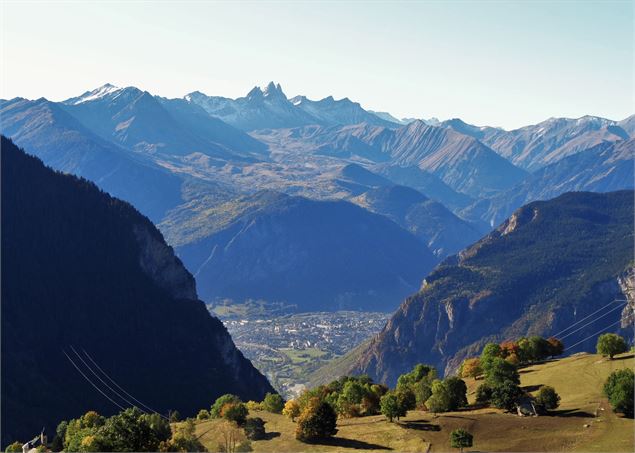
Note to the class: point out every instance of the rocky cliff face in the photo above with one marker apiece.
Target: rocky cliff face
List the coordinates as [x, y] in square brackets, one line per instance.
[551, 264]
[85, 275]
[626, 282]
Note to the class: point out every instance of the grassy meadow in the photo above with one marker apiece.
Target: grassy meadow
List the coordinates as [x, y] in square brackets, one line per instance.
[583, 422]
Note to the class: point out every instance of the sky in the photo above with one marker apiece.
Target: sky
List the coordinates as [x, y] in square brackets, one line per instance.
[494, 63]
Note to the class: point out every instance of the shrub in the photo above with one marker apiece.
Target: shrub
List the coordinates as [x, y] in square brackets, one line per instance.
[235, 412]
[460, 438]
[220, 402]
[619, 391]
[253, 405]
[291, 409]
[175, 416]
[273, 403]
[611, 344]
[202, 415]
[14, 447]
[548, 398]
[317, 421]
[255, 428]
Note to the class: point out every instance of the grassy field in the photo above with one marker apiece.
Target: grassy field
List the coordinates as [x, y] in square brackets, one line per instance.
[573, 427]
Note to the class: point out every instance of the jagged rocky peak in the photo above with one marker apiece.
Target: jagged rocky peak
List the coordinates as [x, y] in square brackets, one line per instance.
[274, 91]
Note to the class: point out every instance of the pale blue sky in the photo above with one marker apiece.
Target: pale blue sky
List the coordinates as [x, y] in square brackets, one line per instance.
[497, 63]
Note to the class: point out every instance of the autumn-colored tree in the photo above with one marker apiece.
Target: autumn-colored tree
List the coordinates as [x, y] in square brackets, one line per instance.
[508, 348]
[556, 347]
[317, 421]
[234, 412]
[232, 436]
[291, 409]
[471, 368]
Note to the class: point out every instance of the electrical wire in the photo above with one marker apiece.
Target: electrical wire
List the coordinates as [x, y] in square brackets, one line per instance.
[103, 382]
[591, 322]
[596, 333]
[587, 317]
[119, 387]
[91, 382]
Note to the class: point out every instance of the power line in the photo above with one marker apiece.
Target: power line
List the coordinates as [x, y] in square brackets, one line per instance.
[588, 316]
[118, 386]
[91, 382]
[103, 382]
[590, 322]
[596, 333]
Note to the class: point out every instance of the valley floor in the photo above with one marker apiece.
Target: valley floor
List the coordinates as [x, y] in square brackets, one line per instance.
[583, 422]
[288, 347]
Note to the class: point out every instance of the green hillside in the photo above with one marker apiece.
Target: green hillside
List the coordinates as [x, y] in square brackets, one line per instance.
[573, 427]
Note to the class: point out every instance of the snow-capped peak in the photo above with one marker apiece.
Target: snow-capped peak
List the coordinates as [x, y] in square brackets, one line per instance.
[97, 93]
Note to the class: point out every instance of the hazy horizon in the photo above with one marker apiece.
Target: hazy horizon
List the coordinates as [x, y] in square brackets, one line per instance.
[476, 61]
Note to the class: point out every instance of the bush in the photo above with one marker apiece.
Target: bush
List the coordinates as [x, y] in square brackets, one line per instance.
[611, 344]
[506, 395]
[317, 421]
[548, 398]
[460, 438]
[619, 391]
[183, 439]
[255, 428]
[389, 406]
[202, 415]
[235, 412]
[253, 405]
[175, 416]
[291, 409]
[14, 447]
[273, 403]
[220, 402]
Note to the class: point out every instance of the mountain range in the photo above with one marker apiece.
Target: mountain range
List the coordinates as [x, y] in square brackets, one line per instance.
[189, 163]
[93, 298]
